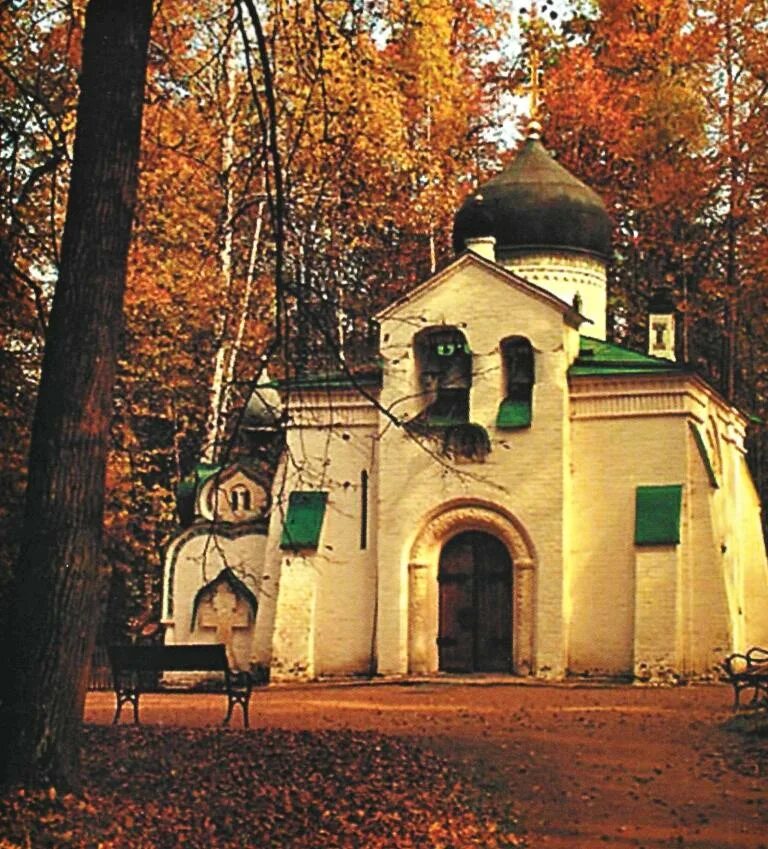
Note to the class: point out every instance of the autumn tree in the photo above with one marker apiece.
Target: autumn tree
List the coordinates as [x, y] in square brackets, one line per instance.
[738, 105]
[737, 108]
[625, 109]
[374, 108]
[59, 579]
[380, 115]
[660, 106]
[38, 43]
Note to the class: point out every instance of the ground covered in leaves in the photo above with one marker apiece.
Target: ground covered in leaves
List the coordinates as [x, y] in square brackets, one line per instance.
[151, 788]
[746, 750]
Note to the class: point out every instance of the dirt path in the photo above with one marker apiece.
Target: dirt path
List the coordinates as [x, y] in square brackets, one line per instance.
[582, 767]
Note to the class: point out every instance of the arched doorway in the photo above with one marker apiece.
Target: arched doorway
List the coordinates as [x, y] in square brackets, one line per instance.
[475, 604]
[436, 530]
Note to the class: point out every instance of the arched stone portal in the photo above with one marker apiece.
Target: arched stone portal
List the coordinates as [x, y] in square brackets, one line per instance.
[423, 594]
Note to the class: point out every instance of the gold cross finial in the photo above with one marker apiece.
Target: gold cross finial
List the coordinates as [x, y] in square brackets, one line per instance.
[534, 62]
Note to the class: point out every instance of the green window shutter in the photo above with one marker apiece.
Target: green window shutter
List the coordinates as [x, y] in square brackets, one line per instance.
[514, 413]
[657, 514]
[303, 520]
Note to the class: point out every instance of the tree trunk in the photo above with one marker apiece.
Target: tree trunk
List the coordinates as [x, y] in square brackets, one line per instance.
[60, 576]
[217, 404]
[731, 306]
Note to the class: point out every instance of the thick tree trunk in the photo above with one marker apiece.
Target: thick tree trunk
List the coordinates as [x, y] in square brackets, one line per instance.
[60, 575]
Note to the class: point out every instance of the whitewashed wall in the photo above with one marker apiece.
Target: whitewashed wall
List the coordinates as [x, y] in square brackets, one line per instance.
[324, 615]
[526, 469]
[567, 275]
[195, 558]
[661, 612]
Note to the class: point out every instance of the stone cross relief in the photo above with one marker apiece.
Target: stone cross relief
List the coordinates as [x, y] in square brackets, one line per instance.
[225, 612]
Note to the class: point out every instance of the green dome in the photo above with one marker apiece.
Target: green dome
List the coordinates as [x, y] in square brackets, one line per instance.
[534, 203]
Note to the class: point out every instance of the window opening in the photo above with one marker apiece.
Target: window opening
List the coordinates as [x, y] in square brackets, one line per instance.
[445, 374]
[657, 514]
[363, 509]
[303, 519]
[240, 498]
[515, 410]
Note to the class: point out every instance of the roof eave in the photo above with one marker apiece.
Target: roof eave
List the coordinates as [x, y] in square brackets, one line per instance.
[572, 316]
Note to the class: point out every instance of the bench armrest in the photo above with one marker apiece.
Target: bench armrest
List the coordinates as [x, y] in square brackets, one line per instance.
[757, 656]
[735, 664]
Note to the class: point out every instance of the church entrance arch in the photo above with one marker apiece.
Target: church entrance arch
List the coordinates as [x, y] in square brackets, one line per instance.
[471, 592]
[475, 604]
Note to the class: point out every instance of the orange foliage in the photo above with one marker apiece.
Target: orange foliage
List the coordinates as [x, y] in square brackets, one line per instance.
[374, 109]
[39, 53]
[661, 105]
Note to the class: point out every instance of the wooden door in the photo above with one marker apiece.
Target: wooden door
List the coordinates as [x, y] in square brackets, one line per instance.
[475, 577]
[457, 614]
[493, 604]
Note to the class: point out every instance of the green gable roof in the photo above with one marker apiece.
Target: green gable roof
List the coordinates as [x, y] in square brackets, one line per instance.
[657, 514]
[598, 358]
[303, 519]
[187, 488]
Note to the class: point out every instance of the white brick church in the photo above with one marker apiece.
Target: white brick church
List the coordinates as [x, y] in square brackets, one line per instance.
[510, 494]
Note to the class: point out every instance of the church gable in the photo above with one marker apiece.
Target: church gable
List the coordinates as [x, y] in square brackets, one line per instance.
[465, 284]
[232, 495]
[472, 344]
[486, 305]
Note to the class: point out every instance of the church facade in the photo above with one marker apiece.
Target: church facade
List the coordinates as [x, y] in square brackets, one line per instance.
[510, 493]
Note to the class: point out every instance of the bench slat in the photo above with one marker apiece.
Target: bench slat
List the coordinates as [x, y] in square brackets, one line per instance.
[182, 658]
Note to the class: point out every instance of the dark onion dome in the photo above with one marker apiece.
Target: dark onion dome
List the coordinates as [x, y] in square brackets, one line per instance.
[473, 220]
[534, 203]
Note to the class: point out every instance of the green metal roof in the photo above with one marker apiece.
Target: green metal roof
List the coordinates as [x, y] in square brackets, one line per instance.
[513, 414]
[186, 490]
[304, 519]
[328, 380]
[598, 358]
[657, 514]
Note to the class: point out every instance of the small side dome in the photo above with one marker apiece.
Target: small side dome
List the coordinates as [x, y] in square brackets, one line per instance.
[535, 204]
[262, 412]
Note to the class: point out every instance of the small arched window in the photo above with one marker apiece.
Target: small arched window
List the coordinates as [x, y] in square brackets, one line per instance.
[240, 498]
[518, 364]
[444, 364]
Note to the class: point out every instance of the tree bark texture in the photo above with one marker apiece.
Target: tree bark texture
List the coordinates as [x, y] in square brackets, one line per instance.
[59, 580]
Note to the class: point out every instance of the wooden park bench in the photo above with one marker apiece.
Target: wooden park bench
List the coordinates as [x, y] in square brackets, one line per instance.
[748, 672]
[131, 665]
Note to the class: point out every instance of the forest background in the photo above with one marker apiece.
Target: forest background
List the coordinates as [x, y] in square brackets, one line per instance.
[387, 113]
